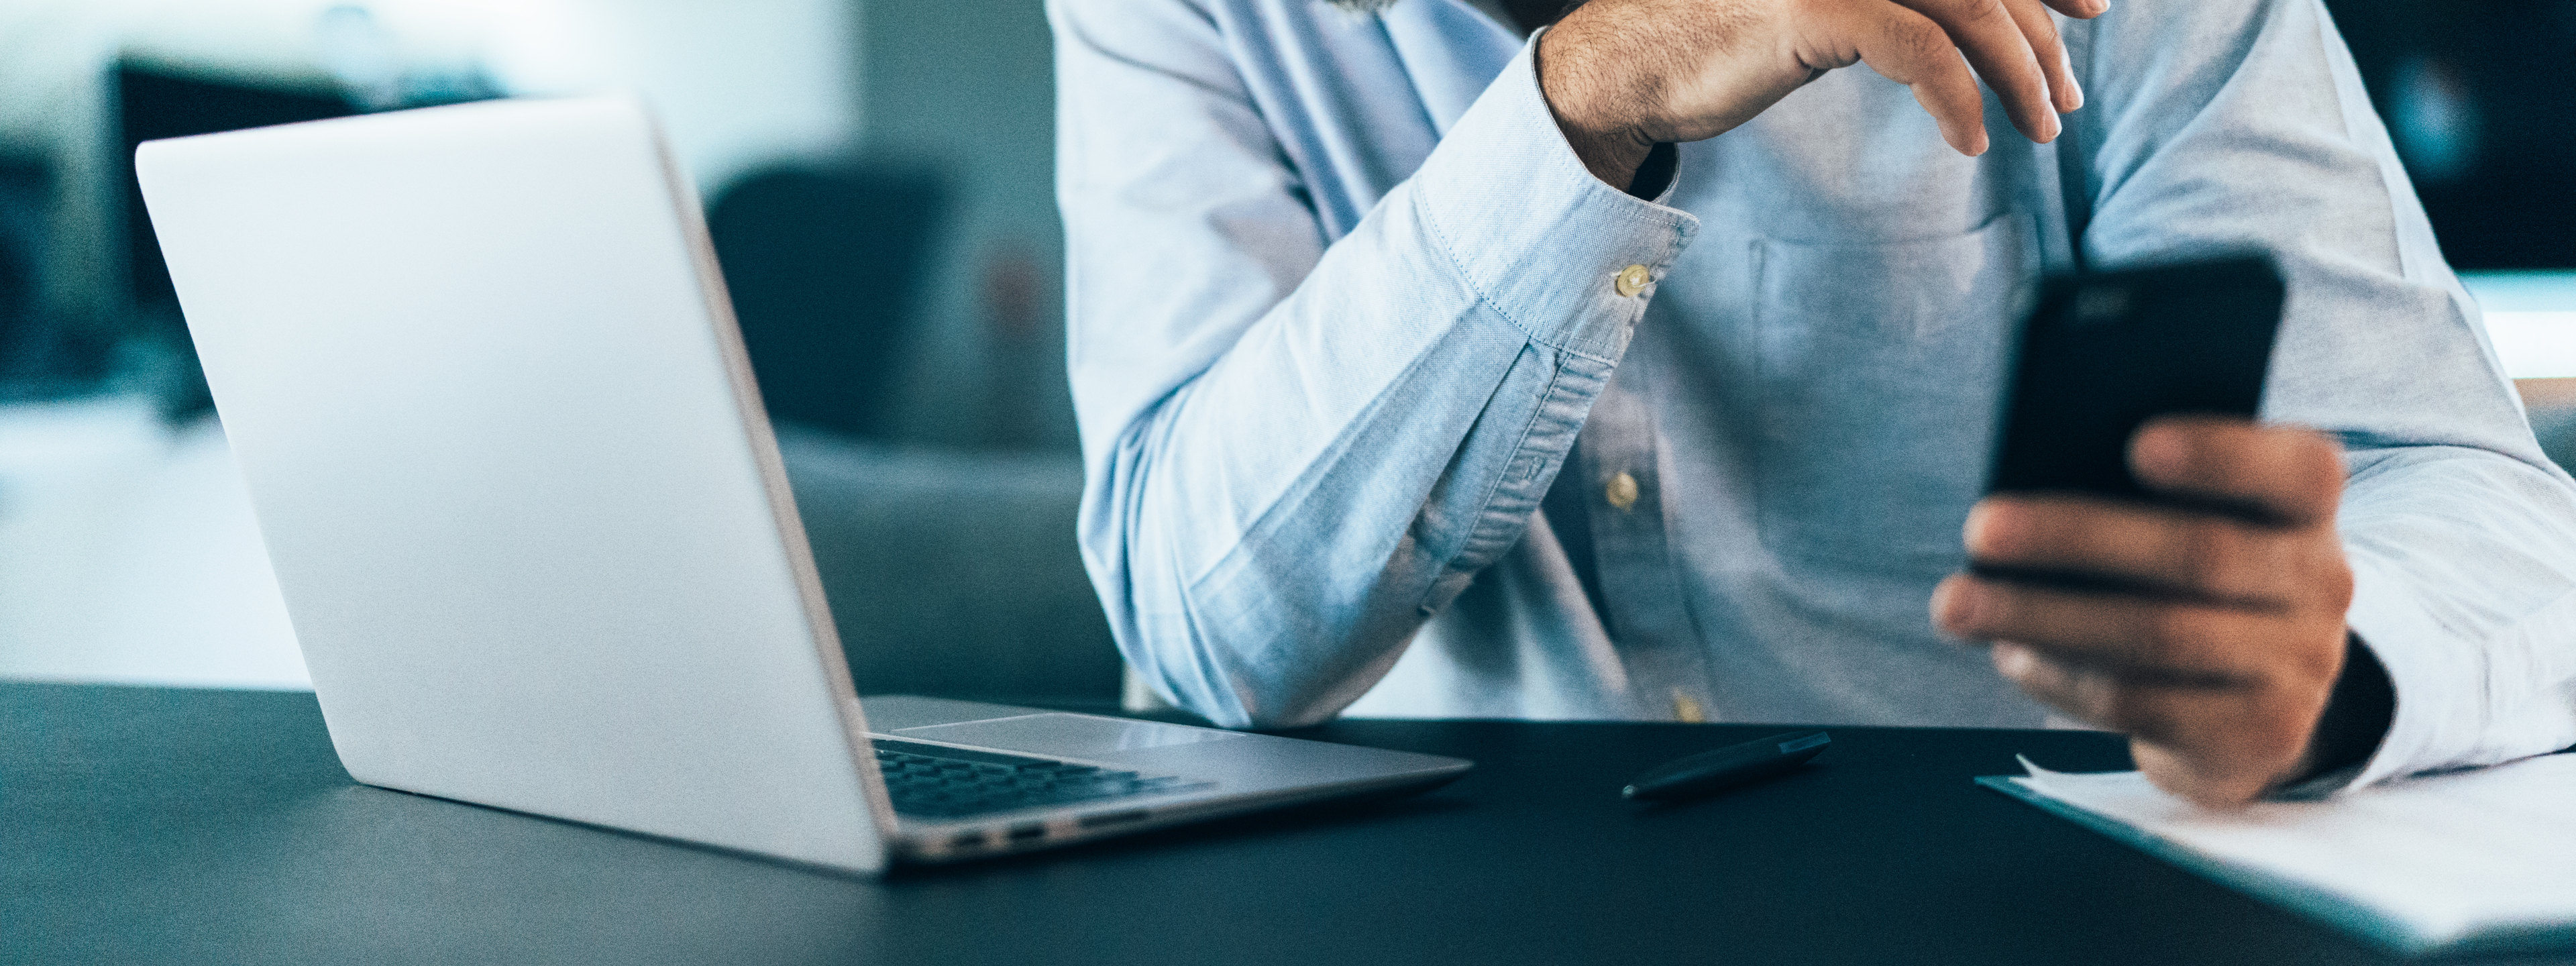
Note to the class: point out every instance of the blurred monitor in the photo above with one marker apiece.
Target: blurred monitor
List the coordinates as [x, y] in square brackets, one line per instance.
[824, 264]
[154, 103]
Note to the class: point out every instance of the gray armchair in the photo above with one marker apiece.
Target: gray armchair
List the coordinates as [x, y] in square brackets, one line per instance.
[954, 573]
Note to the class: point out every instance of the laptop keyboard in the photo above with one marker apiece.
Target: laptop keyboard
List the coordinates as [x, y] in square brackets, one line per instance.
[936, 781]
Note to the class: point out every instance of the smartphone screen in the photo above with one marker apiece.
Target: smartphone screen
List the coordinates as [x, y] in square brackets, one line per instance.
[2105, 352]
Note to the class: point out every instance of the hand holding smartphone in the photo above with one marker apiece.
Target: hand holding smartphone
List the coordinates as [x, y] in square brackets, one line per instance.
[2203, 616]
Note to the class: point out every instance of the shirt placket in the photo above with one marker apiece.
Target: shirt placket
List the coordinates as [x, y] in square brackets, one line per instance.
[1649, 619]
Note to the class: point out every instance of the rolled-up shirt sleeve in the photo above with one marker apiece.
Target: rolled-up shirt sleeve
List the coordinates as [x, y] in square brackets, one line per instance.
[2245, 125]
[1298, 447]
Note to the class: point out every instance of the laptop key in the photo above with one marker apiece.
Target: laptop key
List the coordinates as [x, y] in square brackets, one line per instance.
[934, 781]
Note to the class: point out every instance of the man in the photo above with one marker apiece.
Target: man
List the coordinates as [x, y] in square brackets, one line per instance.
[1646, 369]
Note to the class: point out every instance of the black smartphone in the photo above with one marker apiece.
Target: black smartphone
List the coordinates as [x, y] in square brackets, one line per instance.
[2105, 352]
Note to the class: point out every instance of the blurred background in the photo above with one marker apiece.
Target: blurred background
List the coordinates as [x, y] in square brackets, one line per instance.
[877, 177]
[878, 183]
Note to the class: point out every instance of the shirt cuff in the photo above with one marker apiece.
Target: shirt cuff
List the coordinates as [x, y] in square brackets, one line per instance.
[1532, 232]
[2437, 712]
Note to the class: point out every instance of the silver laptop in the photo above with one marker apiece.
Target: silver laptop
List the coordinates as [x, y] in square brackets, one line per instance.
[481, 373]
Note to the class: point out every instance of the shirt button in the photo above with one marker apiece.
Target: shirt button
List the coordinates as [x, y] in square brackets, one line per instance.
[1632, 280]
[1686, 710]
[1621, 492]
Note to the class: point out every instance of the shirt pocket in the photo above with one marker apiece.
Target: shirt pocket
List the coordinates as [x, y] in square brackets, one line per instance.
[1881, 367]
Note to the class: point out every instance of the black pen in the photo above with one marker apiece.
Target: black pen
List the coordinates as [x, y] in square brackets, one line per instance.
[1730, 767]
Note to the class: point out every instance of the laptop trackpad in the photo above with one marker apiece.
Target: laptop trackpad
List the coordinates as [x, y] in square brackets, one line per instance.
[1066, 735]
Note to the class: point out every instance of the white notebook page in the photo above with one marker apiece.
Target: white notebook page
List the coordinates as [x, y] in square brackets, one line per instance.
[2440, 858]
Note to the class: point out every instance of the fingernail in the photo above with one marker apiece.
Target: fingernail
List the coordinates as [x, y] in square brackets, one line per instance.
[2012, 660]
[1988, 526]
[2074, 93]
[1955, 603]
[2159, 451]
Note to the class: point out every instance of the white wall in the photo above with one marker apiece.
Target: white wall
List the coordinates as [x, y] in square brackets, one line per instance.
[736, 83]
[128, 553]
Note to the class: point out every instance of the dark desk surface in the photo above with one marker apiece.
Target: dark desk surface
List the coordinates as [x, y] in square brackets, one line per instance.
[146, 825]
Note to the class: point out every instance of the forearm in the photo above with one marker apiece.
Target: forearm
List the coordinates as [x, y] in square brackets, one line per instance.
[1268, 534]
[1273, 586]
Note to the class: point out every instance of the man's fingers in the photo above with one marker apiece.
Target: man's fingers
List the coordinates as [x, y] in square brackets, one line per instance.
[2092, 696]
[2065, 94]
[1993, 40]
[2170, 727]
[2219, 689]
[2080, 9]
[2145, 709]
[1910, 49]
[2194, 555]
[2293, 475]
[2173, 727]
[2146, 640]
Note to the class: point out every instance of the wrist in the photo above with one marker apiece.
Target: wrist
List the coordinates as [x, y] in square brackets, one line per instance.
[2356, 718]
[1609, 144]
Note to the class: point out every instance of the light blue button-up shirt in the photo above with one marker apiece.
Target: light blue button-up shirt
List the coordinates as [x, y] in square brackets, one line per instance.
[1343, 304]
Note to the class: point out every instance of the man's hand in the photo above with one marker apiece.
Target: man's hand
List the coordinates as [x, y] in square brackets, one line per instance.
[1623, 75]
[2211, 638]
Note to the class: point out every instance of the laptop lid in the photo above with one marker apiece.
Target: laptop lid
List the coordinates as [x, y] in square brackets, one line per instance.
[484, 383]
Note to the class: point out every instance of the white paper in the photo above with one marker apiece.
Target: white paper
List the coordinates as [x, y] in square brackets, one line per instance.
[2445, 856]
